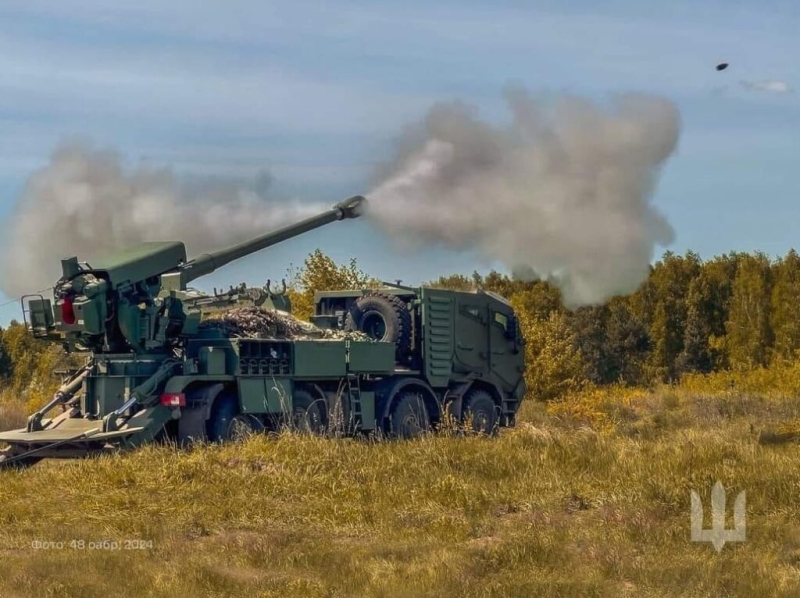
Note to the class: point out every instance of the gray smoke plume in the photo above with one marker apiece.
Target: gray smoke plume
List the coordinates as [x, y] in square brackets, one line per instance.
[86, 203]
[563, 191]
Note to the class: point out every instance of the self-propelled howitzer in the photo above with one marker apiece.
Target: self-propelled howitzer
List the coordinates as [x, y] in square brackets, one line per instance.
[151, 371]
[394, 360]
[134, 300]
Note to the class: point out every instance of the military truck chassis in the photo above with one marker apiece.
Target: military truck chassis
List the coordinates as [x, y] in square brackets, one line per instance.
[156, 371]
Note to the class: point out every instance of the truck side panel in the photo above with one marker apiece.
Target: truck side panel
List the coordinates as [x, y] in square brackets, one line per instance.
[472, 335]
[265, 395]
[371, 358]
[319, 359]
[438, 339]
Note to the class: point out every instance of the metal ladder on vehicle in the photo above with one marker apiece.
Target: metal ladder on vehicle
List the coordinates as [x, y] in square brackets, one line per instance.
[354, 396]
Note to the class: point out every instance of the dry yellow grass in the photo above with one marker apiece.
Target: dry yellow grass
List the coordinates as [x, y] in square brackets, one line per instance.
[552, 508]
[12, 415]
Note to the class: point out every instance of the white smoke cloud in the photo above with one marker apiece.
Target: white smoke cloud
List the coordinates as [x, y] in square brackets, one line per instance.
[776, 86]
[86, 203]
[564, 190]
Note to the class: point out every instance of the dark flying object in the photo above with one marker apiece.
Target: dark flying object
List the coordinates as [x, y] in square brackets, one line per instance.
[722, 66]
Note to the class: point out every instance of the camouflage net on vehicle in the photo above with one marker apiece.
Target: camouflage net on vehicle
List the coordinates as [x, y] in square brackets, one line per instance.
[258, 322]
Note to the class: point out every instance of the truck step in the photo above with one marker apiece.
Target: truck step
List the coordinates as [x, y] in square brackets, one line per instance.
[354, 396]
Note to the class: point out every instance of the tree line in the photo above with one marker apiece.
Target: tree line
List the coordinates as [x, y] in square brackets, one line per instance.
[735, 311]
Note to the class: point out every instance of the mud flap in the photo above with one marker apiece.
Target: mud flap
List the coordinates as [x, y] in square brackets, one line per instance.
[192, 426]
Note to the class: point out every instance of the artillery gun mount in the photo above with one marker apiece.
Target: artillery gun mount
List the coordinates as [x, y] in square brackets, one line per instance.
[396, 360]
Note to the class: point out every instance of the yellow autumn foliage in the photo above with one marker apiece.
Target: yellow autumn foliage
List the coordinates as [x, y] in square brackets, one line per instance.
[554, 366]
[321, 273]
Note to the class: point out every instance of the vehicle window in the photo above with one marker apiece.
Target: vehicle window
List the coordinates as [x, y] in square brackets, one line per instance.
[469, 310]
[501, 319]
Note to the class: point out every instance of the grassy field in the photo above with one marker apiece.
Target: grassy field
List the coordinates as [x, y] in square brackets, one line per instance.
[587, 498]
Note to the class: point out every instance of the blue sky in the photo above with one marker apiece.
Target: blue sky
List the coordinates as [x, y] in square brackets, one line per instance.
[316, 91]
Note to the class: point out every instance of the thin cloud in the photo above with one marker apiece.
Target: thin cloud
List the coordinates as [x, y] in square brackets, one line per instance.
[775, 86]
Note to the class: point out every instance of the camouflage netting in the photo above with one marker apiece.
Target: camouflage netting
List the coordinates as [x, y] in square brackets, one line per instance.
[257, 322]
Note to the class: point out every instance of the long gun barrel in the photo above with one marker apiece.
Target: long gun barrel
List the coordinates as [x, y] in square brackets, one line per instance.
[207, 263]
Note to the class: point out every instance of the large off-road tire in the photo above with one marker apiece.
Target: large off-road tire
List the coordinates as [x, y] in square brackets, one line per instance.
[309, 414]
[226, 424]
[6, 462]
[409, 416]
[479, 413]
[384, 318]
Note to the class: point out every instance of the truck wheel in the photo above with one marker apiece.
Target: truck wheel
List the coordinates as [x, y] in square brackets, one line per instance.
[383, 318]
[226, 423]
[409, 417]
[480, 412]
[309, 415]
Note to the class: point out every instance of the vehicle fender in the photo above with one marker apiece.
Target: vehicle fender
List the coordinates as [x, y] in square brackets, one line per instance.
[496, 391]
[390, 388]
[453, 401]
[454, 398]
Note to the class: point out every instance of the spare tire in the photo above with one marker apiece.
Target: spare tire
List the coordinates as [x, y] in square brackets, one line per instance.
[383, 318]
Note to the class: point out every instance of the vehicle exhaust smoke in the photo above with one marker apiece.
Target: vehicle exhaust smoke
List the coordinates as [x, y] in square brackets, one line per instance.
[564, 191]
[86, 203]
